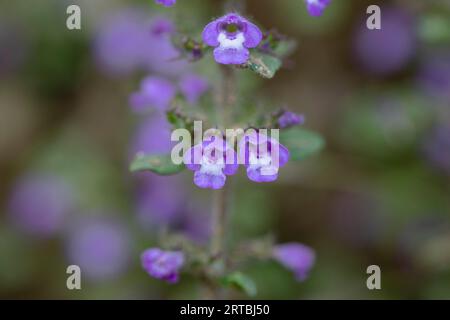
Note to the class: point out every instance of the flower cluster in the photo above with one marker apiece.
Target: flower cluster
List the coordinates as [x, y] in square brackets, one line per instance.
[214, 159]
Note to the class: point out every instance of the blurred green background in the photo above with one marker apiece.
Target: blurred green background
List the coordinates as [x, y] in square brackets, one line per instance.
[378, 194]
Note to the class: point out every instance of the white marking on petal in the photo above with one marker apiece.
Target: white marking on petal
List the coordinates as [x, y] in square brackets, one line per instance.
[212, 166]
[264, 163]
[236, 43]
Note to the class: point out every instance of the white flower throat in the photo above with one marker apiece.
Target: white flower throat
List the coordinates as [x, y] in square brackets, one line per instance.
[236, 43]
[264, 163]
[212, 166]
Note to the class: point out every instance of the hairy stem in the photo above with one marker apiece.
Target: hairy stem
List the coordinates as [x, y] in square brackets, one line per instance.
[219, 224]
[219, 213]
[227, 95]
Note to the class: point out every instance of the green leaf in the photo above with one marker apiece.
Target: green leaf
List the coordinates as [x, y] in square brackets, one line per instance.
[180, 120]
[240, 281]
[263, 64]
[301, 143]
[159, 164]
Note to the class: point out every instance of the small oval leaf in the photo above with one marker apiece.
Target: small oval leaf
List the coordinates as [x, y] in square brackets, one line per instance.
[263, 64]
[159, 164]
[301, 143]
[240, 281]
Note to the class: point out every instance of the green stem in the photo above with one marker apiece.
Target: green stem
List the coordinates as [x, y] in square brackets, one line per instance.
[219, 212]
[219, 224]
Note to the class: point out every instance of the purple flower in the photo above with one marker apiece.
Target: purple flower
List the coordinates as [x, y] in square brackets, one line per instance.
[40, 204]
[164, 265]
[120, 43]
[290, 119]
[389, 50]
[161, 56]
[155, 92]
[212, 160]
[100, 246]
[127, 41]
[296, 257]
[166, 3]
[232, 36]
[193, 87]
[159, 200]
[316, 7]
[262, 156]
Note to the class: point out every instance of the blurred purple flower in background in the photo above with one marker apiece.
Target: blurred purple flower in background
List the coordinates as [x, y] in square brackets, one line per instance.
[155, 92]
[161, 56]
[232, 36]
[389, 50]
[120, 44]
[100, 246]
[163, 265]
[159, 200]
[316, 7]
[193, 87]
[152, 136]
[40, 204]
[158, 92]
[131, 40]
[437, 148]
[296, 257]
[163, 201]
[166, 3]
[434, 76]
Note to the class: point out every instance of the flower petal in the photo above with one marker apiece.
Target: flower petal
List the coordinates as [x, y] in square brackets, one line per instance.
[211, 34]
[255, 175]
[231, 55]
[253, 35]
[209, 181]
[172, 278]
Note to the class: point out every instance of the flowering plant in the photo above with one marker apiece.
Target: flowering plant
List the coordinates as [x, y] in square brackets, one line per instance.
[237, 44]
